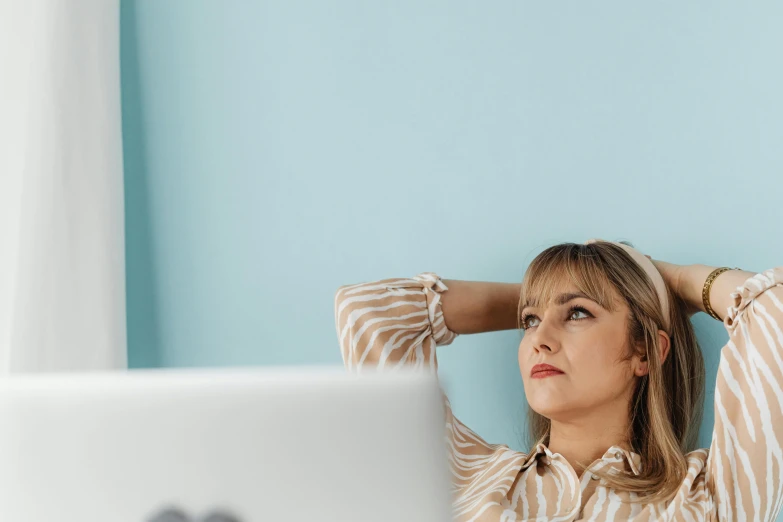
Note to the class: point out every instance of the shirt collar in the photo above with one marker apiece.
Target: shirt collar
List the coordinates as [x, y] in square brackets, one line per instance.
[619, 454]
[612, 455]
[539, 452]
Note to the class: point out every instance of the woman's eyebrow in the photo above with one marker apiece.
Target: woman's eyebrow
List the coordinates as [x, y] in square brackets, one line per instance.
[562, 299]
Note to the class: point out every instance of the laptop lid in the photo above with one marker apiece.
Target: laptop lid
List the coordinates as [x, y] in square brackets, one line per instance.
[246, 445]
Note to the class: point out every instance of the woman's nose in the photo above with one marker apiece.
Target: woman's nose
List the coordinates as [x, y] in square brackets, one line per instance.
[542, 347]
[544, 339]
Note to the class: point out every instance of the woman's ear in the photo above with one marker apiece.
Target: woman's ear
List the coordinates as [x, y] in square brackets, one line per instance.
[665, 343]
[642, 367]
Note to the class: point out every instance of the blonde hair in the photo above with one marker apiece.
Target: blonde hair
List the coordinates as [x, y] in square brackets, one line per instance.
[666, 407]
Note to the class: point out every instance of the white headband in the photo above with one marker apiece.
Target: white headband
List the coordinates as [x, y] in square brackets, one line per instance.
[652, 272]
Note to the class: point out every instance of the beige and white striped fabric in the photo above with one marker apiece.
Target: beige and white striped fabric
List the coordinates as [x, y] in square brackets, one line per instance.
[395, 322]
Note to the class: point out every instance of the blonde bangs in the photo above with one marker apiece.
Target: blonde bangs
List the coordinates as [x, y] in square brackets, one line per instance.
[566, 266]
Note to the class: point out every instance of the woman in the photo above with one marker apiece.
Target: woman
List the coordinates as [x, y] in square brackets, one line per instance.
[614, 378]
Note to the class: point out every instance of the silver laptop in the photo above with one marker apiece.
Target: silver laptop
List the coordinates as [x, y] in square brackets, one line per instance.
[223, 445]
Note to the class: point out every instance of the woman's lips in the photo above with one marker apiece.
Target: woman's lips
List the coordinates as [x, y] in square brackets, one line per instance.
[540, 371]
[545, 373]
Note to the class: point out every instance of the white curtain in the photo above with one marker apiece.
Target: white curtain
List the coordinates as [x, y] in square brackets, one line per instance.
[62, 282]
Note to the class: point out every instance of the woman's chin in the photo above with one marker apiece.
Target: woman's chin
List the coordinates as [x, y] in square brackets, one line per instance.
[550, 407]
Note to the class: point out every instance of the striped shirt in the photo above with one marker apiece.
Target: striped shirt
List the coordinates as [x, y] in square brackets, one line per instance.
[394, 322]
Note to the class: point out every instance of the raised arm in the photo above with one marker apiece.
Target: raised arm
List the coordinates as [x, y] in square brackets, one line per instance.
[401, 320]
[392, 322]
[395, 322]
[745, 461]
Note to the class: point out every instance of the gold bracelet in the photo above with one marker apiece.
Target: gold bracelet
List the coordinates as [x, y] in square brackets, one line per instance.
[705, 292]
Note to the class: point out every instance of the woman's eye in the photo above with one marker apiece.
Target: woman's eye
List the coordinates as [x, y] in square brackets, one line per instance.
[571, 315]
[526, 321]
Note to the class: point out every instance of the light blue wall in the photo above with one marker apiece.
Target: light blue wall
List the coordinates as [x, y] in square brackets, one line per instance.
[278, 150]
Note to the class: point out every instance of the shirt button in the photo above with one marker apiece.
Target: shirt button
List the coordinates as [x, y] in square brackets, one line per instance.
[618, 455]
[593, 476]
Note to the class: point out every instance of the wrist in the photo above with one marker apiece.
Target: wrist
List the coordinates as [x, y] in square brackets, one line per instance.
[693, 279]
[690, 282]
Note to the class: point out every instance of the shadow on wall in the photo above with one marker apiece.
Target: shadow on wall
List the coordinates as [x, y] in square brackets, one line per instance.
[141, 299]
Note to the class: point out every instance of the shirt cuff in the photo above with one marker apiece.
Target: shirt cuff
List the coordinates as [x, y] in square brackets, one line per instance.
[433, 285]
[749, 290]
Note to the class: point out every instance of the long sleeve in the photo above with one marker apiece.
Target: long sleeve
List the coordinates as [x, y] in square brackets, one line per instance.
[745, 463]
[394, 322]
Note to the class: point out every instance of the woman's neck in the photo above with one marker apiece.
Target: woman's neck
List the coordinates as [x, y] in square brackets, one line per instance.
[585, 439]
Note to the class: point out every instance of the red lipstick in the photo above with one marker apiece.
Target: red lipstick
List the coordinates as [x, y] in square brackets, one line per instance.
[540, 371]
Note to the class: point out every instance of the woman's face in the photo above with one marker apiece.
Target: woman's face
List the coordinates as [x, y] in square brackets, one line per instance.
[587, 344]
